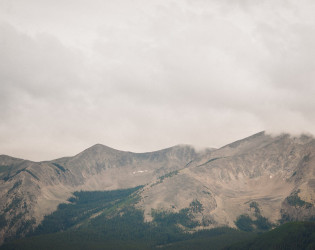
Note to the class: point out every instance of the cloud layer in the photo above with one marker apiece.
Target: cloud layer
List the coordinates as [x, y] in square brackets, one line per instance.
[143, 75]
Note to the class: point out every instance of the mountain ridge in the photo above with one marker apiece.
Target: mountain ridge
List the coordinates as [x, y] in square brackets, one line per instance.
[30, 190]
[271, 171]
[233, 179]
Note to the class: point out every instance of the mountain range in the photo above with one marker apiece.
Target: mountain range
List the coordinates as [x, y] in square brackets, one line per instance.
[252, 184]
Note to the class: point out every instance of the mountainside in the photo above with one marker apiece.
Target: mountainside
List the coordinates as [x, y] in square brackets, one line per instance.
[259, 176]
[252, 184]
[30, 190]
[90, 222]
[293, 235]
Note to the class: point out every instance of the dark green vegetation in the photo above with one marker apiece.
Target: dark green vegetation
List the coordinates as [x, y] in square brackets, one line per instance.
[25, 225]
[3, 221]
[59, 167]
[255, 205]
[9, 172]
[83, 205]
[295, 201]
[107, 220]
[184, 217]
[293, 235]
[211, 239]
[4, 168]
[168, 175]
[214, 159]
[245, 223]
[163, 177]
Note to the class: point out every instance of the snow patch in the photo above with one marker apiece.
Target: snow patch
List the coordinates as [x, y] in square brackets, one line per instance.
[139, 171]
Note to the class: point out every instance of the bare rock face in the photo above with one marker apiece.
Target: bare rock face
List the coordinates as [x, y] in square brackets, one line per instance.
[30, 190]
[275, 173]
[23, 185]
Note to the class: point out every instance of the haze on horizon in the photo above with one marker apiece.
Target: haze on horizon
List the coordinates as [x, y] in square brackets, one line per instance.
[145, 75]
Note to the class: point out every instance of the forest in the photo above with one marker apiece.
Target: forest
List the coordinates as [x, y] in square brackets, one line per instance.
[108, 220]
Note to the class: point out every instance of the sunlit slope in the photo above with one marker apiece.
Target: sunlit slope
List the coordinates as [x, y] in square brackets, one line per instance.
[261, 169]
[30, 190]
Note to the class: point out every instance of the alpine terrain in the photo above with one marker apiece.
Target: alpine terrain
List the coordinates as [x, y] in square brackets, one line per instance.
[254, 184]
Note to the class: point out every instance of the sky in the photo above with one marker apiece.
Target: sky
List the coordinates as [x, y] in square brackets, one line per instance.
[141, 75]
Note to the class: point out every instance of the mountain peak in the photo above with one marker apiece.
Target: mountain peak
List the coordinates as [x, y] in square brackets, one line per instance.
[9, 160]
[99, 148]
[262, 169]
[249, 138]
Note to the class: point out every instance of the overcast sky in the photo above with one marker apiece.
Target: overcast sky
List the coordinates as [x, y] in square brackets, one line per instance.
[141, 75]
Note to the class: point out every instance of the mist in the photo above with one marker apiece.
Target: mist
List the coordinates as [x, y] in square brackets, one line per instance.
[145, 75]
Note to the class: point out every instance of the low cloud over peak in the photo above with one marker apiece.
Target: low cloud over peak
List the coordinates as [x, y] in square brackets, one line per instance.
[148, 75]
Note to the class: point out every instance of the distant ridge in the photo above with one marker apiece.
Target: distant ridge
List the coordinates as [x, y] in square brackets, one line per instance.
[261, 177]
[238, 142]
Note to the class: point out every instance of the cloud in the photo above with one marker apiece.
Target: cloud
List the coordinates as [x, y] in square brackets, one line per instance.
[146, 75]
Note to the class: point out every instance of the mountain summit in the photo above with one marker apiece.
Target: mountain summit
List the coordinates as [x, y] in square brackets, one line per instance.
[260, 177]
[30, 190]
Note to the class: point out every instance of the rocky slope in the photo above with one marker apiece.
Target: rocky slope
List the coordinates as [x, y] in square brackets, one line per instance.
[274, 174]
[270, 176]
[30, 190]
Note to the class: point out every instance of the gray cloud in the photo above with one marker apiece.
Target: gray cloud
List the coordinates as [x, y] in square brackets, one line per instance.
[146, 75]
